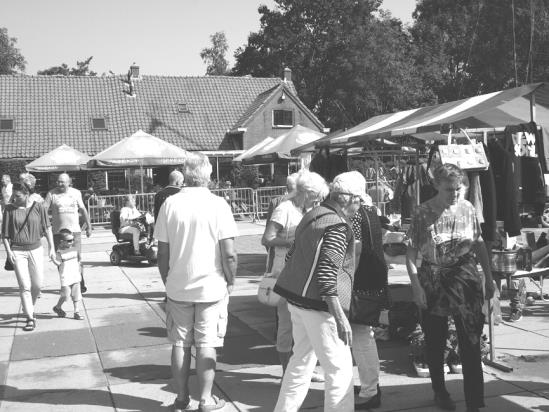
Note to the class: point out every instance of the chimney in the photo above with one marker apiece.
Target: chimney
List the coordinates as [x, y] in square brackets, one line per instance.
[134, 71]
[287, 74]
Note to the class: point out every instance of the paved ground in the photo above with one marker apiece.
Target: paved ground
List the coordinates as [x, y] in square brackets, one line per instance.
[118, 358]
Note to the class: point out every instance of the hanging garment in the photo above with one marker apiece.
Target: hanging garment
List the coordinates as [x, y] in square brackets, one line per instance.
[506, 185]
[475, 195]
[525, 144]
[489, 201]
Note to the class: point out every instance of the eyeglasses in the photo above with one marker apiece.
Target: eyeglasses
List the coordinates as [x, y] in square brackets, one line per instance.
[353, 197]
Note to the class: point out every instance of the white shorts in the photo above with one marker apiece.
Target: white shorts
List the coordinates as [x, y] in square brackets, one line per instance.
[202, 324]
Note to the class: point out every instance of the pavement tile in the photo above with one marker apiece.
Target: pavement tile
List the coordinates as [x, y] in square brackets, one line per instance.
[139, 312]
[525, 343]
[5, 347]
[39, 344]
[517, 402]
[130, 335]
[262, 385]
[62, 373]
[3, 376]
[156, 396]
[85, 400]
[100, 299]
[138, 364]
[529, 372]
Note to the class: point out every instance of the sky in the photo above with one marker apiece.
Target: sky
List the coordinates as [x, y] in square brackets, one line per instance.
[162, 36]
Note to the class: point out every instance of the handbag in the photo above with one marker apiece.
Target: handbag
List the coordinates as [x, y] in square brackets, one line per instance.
[265, 292]
[366, 305]
[8, 265]
[470, 157]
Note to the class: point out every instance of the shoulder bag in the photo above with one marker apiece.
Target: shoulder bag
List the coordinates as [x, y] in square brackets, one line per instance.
[8, 265]
[366, 305]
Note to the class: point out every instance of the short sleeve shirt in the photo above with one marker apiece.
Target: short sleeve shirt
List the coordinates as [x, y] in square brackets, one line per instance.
[288, 216]
[64, 209]
[443, 239]
[193, 222]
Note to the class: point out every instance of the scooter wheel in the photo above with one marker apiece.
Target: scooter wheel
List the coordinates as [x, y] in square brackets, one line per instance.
[115, 258]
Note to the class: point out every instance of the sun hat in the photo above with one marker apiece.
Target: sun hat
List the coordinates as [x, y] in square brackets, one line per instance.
[350, 183]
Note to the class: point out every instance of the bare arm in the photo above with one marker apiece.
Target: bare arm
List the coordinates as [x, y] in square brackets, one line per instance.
[163, 260]
[482, 254]
[9, 252]
[229, 261]
[417, 289]
[271, 236]
[51, 247]
[343, 326]
[87, 219]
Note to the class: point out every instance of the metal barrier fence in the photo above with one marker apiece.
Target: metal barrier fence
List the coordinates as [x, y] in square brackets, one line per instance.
[263, 197]
[241, 200]
[100, 207]
[244, 202]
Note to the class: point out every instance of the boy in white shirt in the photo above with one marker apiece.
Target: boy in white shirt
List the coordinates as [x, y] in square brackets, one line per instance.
[68, 264]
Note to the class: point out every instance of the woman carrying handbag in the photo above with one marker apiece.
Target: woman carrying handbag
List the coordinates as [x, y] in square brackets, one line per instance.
[24, 223]
[369, 298]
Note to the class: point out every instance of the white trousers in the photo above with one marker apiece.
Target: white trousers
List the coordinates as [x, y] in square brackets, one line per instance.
[315, 335]
[135, 232]
[29, 269]
[367, 359]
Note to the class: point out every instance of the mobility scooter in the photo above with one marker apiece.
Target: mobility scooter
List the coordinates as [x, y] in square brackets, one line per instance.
[123, 249]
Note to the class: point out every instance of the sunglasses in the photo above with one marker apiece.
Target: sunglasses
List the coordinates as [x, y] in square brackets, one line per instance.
[353, 197]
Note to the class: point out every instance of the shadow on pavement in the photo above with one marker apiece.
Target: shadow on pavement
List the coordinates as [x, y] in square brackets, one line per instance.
[142, 373]
[9, 291]
[78, 398]
[154, 332]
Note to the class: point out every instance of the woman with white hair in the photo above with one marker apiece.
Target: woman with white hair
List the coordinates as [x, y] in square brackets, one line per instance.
[311, 189]
[128, 215]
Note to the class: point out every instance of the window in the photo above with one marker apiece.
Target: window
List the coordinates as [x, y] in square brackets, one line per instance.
[7, 125]
[283, 118]
[99, 123]
[182, 108]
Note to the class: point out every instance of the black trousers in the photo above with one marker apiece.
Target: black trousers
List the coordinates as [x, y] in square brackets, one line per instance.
[435, 329]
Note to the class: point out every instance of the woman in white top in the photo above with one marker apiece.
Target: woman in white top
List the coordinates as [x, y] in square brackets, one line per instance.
[128, 214]
[279, 234]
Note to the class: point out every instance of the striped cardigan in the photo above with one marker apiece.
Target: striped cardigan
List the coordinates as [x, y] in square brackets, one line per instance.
[302, 281]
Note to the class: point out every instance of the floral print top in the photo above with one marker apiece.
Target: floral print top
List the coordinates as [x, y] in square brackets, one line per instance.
[442, 239]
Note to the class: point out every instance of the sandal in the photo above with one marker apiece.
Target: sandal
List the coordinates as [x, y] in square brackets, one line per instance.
[78, 316]
[30, 325]
[60, 312]
[181, 405]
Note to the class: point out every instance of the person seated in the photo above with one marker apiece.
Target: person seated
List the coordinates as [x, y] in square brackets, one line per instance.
[130, 222]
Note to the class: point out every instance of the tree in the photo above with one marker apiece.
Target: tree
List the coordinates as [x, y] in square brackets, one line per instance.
[11, 59]
[349, 61]
[470, 47]
[214, 56]
[82, 69]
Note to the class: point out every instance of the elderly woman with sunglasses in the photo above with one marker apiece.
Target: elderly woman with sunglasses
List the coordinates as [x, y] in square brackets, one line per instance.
[24, 224]
[279, 234]
[445, 232]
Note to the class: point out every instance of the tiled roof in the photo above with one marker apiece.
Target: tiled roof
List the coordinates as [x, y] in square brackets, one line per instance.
[54, 110]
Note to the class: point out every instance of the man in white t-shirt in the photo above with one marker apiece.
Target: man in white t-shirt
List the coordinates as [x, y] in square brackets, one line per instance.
[197, 262]
[64, 203]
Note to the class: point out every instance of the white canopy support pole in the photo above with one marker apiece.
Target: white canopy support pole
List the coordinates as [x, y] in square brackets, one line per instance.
[217, 168]
[418, 187]
[106, 180]
[533, 107]
[141, 173]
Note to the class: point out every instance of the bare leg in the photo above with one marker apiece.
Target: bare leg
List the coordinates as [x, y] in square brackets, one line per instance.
[64, 294]
[181, 365]
[205, 371]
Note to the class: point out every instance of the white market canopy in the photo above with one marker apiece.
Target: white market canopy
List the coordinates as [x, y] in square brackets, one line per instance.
[62, 159]
[253, 150]
[139, 150]
[485, 112]
[281, 147]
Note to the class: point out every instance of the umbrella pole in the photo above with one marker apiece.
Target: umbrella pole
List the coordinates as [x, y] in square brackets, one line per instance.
[141, 173]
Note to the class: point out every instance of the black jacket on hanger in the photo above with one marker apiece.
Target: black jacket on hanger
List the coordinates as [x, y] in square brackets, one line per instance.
[502, 164]
[489, 201]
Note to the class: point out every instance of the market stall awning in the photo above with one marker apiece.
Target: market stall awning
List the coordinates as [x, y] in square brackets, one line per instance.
[487, 111]
[281, 147]
[139, 150]
[62, 159]
[253, 150]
